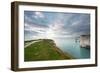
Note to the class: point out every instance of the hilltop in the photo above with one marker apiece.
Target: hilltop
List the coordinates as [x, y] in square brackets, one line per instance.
[43, 49]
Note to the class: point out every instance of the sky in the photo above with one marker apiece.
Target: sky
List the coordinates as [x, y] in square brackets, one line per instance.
[55, 25]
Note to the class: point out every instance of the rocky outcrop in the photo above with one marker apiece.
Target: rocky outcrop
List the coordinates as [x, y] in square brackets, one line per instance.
[85, 41]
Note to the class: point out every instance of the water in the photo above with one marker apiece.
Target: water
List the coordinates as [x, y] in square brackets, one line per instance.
[73, 48]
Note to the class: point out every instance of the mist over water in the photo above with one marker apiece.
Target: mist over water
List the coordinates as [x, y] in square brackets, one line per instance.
[69, 45]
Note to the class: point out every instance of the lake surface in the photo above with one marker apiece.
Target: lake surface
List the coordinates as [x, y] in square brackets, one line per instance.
[73, 48]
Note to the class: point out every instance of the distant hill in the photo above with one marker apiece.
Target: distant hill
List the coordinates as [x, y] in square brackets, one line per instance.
[44, 49]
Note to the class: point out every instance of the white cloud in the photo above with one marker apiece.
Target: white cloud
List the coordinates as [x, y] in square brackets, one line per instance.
[38, 30]
[56, 25]
[76, 23]
[55, 30]
[28, 19]
[38, 15]
[26, 25]
[63, 26]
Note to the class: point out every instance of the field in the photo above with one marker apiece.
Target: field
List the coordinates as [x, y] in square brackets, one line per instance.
[43, 49]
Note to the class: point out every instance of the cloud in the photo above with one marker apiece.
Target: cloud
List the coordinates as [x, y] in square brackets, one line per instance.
[56, 25]
[29, 18]
[32, 28]
[78, 24]
[38, 15]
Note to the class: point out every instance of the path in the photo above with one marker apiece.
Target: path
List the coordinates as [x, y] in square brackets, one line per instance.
[31, 43]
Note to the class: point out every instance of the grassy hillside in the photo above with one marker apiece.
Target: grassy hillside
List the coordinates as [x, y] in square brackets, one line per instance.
[44, 49]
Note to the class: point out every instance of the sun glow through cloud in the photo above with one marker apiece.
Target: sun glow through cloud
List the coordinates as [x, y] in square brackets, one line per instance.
[50, 34]
[53, 25]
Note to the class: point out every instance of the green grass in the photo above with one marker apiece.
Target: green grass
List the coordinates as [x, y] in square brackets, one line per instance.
[43, 50]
